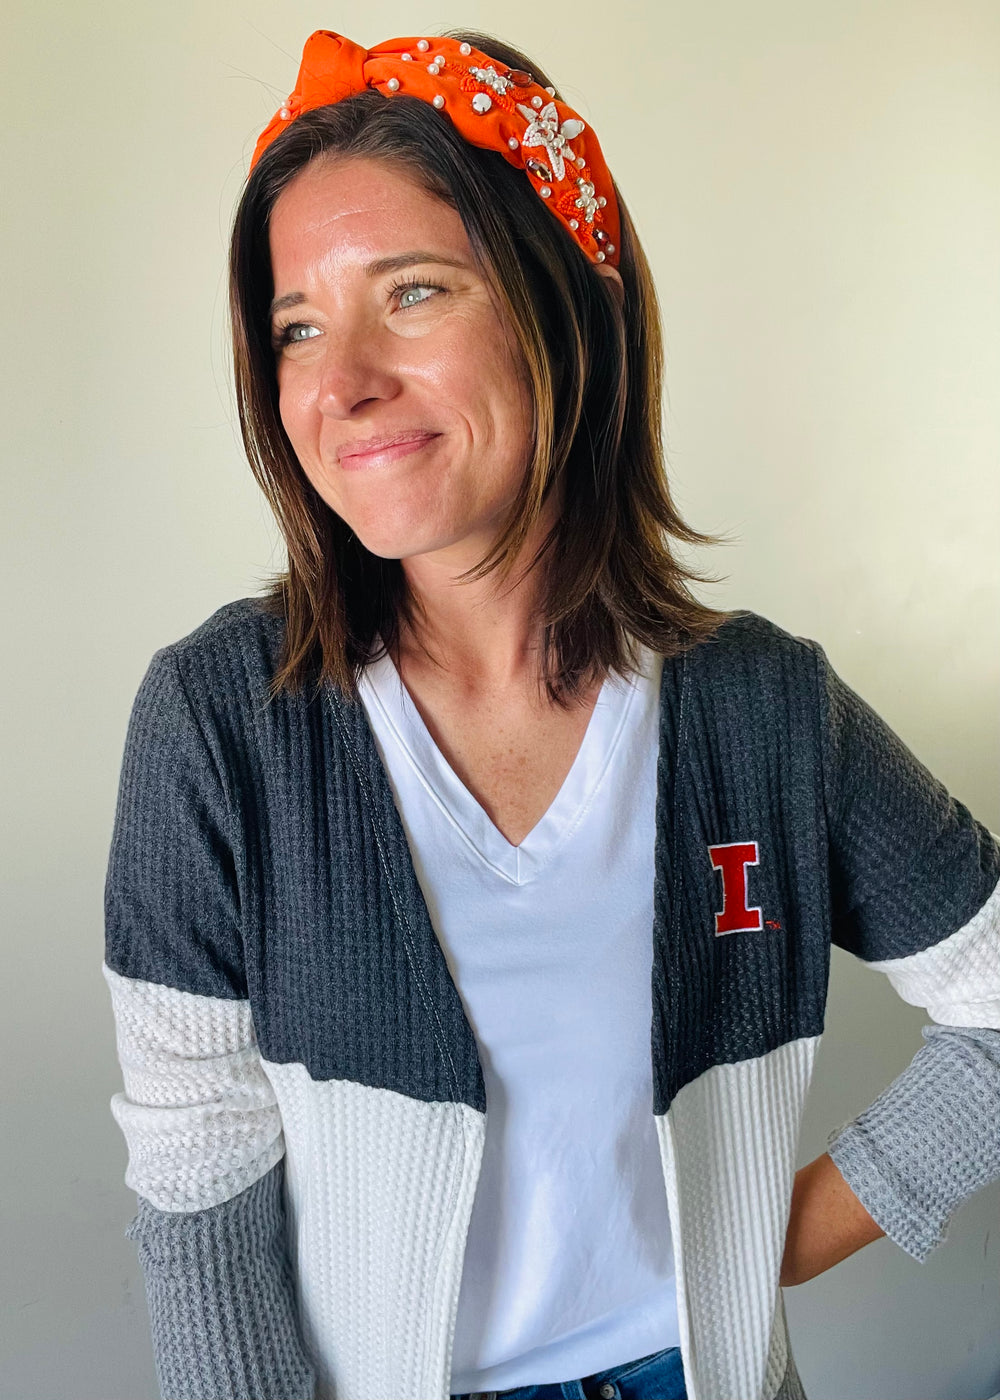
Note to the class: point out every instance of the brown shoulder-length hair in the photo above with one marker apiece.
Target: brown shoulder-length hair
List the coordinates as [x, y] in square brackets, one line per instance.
[610, 579]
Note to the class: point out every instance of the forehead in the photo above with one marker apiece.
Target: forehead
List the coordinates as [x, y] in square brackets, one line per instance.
[354, 208]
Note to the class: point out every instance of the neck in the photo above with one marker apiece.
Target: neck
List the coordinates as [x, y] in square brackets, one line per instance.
[483, 634]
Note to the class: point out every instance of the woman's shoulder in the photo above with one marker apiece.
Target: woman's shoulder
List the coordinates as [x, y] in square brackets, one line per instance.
[229, 658]
[745, 639]
[245, 622]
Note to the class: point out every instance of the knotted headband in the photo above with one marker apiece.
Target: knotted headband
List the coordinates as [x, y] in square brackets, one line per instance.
[498, 108]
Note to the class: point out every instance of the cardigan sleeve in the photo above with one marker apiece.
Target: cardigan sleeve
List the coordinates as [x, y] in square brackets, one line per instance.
[198, 1113]
[915, 890]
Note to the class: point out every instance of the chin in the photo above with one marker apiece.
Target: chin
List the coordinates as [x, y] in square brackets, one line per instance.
[408, 538]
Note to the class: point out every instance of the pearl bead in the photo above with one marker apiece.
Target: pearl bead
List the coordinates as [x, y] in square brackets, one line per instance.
[465, 49]
[285, 114]
[581, 162]
[433, 69]
[545, 191]
[423, 45]
[600, 257]
[438, 101]
[513, 142]
[393, 84]
[601, 200]
[551, 91]
[611, 247]
[574, 224]
[439, 59]
[406, 57]
[536, 102]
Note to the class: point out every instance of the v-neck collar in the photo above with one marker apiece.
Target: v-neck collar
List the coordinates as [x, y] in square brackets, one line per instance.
[382, 686]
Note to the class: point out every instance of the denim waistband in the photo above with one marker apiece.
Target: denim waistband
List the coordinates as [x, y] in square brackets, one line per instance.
[659, 1376]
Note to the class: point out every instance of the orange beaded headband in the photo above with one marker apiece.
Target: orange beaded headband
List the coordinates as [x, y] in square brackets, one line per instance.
[499, 108]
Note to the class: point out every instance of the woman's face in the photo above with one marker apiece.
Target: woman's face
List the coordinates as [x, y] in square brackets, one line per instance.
[400, 387]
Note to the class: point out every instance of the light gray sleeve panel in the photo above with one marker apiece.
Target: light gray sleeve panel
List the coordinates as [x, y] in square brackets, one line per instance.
[930, 1140]
[221, 1297]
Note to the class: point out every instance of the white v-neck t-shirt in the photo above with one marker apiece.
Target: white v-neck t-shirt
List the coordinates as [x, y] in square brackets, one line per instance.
[569, 1265]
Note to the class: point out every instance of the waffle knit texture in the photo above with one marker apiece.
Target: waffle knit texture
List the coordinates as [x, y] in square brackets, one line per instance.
[303, 1099]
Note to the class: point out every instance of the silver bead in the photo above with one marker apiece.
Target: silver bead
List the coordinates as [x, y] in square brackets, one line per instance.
[600, 257]
[574, 224]
[406, 57]
[438, 101]
[393, 84]
[465, 49]
[423, 45]
[536, 102]
[601, 200]
[545, 191]
[610, 248]
[482, 102]
[513, 142]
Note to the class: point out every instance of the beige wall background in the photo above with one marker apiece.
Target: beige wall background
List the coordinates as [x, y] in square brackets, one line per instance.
[818, 187]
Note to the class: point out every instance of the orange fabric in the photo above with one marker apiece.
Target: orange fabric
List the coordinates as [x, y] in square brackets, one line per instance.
[558, 152]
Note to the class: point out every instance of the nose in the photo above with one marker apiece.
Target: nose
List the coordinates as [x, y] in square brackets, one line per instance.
[355, 371]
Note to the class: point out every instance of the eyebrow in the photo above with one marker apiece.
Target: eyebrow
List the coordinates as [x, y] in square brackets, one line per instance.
[379, 268]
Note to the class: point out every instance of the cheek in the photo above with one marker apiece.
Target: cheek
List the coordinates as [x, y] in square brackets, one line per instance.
[497, 390]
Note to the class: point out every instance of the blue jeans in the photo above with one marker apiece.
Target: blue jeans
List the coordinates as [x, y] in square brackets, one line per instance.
[656, 1377]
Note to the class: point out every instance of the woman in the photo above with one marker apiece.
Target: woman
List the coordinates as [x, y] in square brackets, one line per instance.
[397, 847]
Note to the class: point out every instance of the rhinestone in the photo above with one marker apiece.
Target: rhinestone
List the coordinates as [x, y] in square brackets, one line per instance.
[438, 101]
[544, 191]
[600, 237]
[574, 224]
[393, 84]
[520, 78]
[551, 91]
[601, 200]
[536, 102]
[406, 57]
[571, 128]
[513, 142]
[423, 45]
[538, 168]
[600, 257]
[482, 102]
[465, 49]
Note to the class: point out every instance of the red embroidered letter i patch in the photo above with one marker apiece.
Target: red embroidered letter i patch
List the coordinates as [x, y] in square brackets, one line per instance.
[731, 861]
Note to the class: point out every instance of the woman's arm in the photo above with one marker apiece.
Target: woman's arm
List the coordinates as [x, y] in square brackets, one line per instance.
[916, 896]
[221, 1298]
[198, 1113]
[827, 1223]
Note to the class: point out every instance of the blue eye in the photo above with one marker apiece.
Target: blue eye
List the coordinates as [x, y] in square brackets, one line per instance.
[405, 289]
[289, 334]
[410, 298]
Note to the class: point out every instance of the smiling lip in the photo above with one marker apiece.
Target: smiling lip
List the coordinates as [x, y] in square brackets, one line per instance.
[377, 452]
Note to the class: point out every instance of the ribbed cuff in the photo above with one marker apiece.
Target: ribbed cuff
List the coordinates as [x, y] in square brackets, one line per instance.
[221, 1297]
[930, 1140]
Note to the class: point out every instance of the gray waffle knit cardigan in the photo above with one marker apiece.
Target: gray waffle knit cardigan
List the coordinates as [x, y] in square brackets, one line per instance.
[304, 1104]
